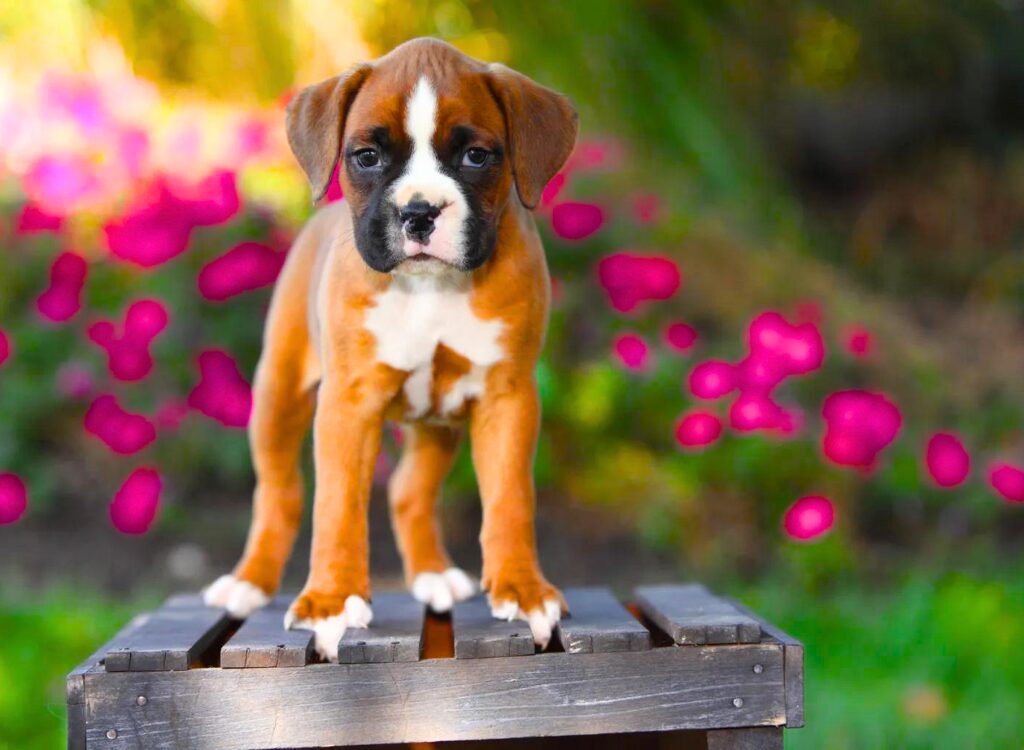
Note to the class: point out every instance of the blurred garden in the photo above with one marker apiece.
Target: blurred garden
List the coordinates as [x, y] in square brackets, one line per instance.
[786, 354]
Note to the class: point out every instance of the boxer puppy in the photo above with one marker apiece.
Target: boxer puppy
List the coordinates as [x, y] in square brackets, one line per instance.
[422, 298]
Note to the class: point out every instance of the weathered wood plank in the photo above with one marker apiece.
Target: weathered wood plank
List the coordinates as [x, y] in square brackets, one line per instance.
[170, 639]
[552, 694]
[793, 666]
[263, 641]
[478, 635]
[394, 635]
[598, 623]
[761, 738]
[691, 615]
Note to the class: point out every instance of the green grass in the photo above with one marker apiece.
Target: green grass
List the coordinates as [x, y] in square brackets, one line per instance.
[931, 661]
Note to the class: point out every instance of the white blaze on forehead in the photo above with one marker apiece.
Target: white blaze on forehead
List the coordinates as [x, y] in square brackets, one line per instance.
[424, 180]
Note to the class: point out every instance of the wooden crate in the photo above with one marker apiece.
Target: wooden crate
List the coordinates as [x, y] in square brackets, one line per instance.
[679, 668]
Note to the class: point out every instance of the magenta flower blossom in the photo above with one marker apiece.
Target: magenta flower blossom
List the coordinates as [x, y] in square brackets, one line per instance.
[632, 351]
[123, 432]
[680, 336]
[1008, 481]
[698, 429]
[334, 191]
[754, 411]
[947, 460]
[154, 230]
[551, 191]
[576, 221]
[809, 518]
[213, 200]
[788, 349]
[13, 498]
[222, 393]
[62, 300]
[631, 279]
[859, 425]
[5, 347]
[243, 268]
[712, 379]
[759, 374]
[32, 219]
[134, 506]
[128, 356]
[858, 341]
[62, 184]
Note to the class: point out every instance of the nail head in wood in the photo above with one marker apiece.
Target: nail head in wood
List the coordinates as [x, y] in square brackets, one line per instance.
[111, 734]
[738, 702]
[758, 668]
[141, 700]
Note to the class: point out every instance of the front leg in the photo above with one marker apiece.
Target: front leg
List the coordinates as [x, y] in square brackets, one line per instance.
[346, 433]
[504, 428]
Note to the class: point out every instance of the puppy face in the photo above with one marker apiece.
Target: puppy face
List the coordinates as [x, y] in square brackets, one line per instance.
[431, 144]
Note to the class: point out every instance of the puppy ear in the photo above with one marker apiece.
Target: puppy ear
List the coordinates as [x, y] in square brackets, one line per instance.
[316, 121]
[541, 126]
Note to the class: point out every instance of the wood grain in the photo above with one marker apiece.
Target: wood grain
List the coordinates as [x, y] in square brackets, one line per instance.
[478, 635]
[394, 635]
[691, 615]
[263, 641]
[597, 623]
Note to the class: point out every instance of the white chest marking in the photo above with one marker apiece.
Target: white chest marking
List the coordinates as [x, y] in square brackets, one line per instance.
[413, 316]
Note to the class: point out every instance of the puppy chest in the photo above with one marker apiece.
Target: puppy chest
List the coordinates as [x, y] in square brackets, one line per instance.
[432, 333]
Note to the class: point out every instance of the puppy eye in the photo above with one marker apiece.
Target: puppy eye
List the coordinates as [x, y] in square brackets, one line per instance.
[475, 157]
[367, 158]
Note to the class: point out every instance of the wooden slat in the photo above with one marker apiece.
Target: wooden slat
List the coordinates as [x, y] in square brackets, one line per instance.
[760, 738]
[394, 635]
[170, 639]
[598, 623]
[793, 661]
[551, 694]
[478, 635]
[263, 641]
[691, 615]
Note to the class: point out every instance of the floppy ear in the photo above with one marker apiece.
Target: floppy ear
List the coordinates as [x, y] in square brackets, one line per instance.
[315, 122]
[541, 126]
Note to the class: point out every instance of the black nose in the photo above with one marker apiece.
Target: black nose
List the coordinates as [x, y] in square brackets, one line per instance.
[417, 219]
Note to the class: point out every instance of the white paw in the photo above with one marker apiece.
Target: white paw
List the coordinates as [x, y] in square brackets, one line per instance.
[440, 591]
[542, 621]
[239, 598]
[329, 630]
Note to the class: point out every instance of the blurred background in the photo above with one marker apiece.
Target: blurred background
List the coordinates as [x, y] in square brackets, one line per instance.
[785, 356]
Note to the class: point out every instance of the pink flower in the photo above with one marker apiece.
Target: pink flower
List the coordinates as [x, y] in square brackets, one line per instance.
[222, 393]
[632, 351]
[631, 279]
[5, 347]
[947, 461]
[122, 431]
[858, 341]
[213, 200]
[576, 221]
[243, 268]
[754, 411]
[334, 191]
[128, 356]
[552, 189]
[809, 517]
[712, 379]
[646, 207]
[859, 425]
[789, 349]
[759, 374]
[62, 184]
[135, 505]
[13, 498]
[154, 230]
[1008, 481]
[697, 429]
[33, 219]
[63, 298]
[680, 336]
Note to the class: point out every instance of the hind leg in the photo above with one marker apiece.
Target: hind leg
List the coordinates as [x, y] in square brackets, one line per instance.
[413, 494]
[282, 411]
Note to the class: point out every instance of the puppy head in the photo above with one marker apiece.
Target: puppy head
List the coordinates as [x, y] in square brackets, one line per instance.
[432, 144]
